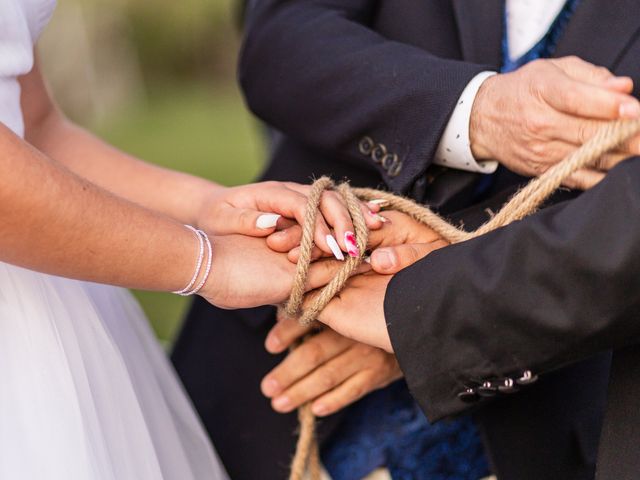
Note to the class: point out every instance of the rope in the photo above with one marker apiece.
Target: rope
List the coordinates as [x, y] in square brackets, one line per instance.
[522, 204]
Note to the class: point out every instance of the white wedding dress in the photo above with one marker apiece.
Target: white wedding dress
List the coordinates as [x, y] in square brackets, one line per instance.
[85, 391]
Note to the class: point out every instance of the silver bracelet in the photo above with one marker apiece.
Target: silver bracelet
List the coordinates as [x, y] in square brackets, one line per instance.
[196, 274]
[209, 261]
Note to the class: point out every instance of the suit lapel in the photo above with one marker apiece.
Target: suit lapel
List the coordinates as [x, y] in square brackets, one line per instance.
[480, 25]
[600, 30]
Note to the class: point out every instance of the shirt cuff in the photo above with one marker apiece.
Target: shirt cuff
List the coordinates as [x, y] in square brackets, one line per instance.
[454, 150]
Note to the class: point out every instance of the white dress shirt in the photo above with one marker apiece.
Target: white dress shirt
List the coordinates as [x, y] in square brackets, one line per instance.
[527, 22]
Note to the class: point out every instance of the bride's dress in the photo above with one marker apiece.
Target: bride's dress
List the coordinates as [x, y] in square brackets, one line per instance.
[85, 390]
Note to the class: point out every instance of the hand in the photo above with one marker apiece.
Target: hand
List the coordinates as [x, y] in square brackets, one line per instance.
[358, 312]
[328, 369]
[398, 229]
[246, 273]
[256, 210]
[534, 117]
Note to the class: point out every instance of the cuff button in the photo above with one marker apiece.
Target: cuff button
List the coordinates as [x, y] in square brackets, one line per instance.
[378, 153]
[487, 389]
[366, 145]
[527, 378]
[508, 386]
[468, 396]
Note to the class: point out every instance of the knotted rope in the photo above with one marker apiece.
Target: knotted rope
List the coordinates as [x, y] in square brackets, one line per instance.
[523, 203]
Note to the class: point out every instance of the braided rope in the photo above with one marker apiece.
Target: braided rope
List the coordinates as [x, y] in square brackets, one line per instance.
[523, 203]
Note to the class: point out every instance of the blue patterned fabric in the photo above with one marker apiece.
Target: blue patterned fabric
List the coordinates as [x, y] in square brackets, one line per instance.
[387, 428]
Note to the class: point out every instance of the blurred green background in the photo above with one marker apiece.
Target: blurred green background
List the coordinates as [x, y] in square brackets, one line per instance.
[157, 79]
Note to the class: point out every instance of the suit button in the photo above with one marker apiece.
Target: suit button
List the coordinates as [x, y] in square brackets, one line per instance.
[527, 378]
[469, 396]
[508, 386]
[487, 389]
[378, 153]
[366, 145]
[389, 160]
[395, 169]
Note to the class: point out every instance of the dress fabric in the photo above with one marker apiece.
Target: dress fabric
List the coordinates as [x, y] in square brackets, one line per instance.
[87, 393]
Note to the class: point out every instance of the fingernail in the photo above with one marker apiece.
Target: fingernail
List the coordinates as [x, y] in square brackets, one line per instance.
[381, 202]
[630, 110]
[384, 259]
[335, 249]
[367, 259]
[319, 410]
[268, 220]
[273, 343]
[270, 387]
[352, 246]
[282, 404]
[379, 217]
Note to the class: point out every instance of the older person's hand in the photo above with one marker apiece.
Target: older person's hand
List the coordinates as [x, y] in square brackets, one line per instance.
[532, 118]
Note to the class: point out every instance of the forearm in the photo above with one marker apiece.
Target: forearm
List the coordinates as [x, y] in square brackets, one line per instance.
[172, 193]
[56, 222]
[552, 289]
[358, 84]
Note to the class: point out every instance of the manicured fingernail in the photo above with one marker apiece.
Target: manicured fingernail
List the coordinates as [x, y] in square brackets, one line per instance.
[273, 343]
[379, 217]
[319, 410]
[282, 404]
[270, 387]
[381, 202]
[352, 246]
[268, 220]
[335, 249]
[367, 259]
[383, 259]
[630, 110]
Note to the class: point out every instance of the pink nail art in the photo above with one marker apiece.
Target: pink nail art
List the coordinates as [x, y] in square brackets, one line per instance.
[352, 246]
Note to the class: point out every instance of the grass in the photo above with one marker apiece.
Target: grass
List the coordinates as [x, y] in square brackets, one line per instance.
[201, 129]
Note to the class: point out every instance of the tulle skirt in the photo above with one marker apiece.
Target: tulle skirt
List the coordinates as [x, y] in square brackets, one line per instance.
[85, 390]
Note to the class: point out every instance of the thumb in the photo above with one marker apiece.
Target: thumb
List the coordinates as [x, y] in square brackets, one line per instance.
[390, 260]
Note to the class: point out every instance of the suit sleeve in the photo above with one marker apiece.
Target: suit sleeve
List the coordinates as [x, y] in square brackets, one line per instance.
[316, 71]
[555, 288]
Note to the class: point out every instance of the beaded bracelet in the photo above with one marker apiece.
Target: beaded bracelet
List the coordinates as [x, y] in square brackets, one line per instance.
[202, 240]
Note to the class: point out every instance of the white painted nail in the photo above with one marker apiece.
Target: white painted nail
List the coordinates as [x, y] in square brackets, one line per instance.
[380, 201]
[333, 245]
[268, 220]
[367, 259]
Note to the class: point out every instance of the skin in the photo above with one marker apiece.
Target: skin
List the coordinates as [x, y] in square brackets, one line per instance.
[73, 206]
[333, 368]
[532, 118]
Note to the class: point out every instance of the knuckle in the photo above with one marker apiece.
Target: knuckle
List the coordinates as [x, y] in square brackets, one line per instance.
[312, 353]
[356, 391]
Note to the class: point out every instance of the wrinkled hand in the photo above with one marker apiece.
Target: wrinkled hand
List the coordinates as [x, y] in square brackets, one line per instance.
[534, 117]
[246, 273]
[256, 209]
[328, 369]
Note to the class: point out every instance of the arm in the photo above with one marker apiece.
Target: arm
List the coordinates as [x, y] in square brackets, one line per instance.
[549, 290]
[319, 62]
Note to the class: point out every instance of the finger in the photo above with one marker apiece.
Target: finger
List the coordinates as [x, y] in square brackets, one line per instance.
[322, 380]
[284, 240]
[371, 217]
[609, 161]
[303, 360]
[246, 221]
[390, 260]
[323, 271]
[589, 101]
[335, 212]
[284, 333]
[316, 254]
[584, 179]
[348, 392]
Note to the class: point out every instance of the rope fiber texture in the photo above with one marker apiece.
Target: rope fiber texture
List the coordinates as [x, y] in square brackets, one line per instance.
[306, 464]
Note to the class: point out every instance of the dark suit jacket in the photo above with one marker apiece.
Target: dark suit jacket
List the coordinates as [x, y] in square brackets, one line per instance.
[327, 74]
[534, 296]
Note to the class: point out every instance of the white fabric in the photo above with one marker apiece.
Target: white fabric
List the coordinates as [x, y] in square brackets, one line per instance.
[86, 392]
[527, 22]
[454, 150]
